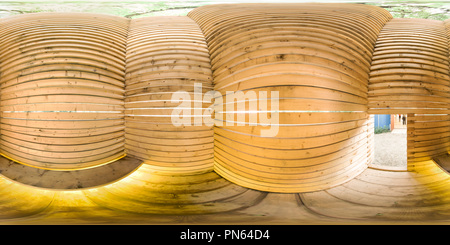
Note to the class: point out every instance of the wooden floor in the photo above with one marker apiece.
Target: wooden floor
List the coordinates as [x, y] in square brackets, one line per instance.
[148, 197]
[332, 71]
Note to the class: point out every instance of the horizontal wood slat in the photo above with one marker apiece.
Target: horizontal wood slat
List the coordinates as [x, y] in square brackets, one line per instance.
[166, 55]
[428, 138]
[409, 72]
[78, 90]
[62, 89]
[317, 58]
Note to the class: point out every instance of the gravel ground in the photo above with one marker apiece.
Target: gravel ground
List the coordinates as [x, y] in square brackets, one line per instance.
[390, 149]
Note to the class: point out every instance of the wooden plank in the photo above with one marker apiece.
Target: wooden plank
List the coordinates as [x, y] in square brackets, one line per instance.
[163, 58]
[316, 63]
[63, 89]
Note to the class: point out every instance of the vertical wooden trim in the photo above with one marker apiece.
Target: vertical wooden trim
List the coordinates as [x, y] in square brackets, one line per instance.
[370, 139]
[410, 141]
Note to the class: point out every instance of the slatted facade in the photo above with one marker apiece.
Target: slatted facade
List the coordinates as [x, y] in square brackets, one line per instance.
[166, 55]
[81, 90]
[62, 89]
[410, 69]
[320, 68]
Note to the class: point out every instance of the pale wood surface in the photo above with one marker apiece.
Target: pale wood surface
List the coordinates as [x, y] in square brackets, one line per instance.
[319, 158]
[409, 72]
[319, 66]
[62, 89]
[148, 196]
[428, 138]
[69, 180]
[166, 55]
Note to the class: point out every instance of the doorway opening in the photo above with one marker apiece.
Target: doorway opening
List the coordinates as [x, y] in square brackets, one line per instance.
[390, 142]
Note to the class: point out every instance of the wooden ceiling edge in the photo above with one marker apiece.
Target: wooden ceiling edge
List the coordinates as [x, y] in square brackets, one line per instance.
[69, 179]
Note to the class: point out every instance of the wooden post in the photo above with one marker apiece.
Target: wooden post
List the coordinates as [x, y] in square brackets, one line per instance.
[392, 122]
[410, 139]
[370, 139]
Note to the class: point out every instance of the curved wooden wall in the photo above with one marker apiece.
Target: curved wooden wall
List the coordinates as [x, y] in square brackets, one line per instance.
[173, 194]
[318, 57]
[428, 138]
[80, 90]
[166, 55]
[76, 89]
[62, 89]
[410, 74]
[420, 196]
[410, 69]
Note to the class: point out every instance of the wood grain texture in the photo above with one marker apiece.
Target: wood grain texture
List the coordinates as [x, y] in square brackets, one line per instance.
[71, 179]
[428, 138]
[387, 196]
[132, 199]
[317, 57]
[409, 72]
[62, 89]
[373, 197]
[173, 193]
[166, 55]
[332, 65]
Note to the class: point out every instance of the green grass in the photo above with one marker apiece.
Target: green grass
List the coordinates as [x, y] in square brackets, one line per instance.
[437, 10]
[380, 130]
[420, 12]
[129, 9]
